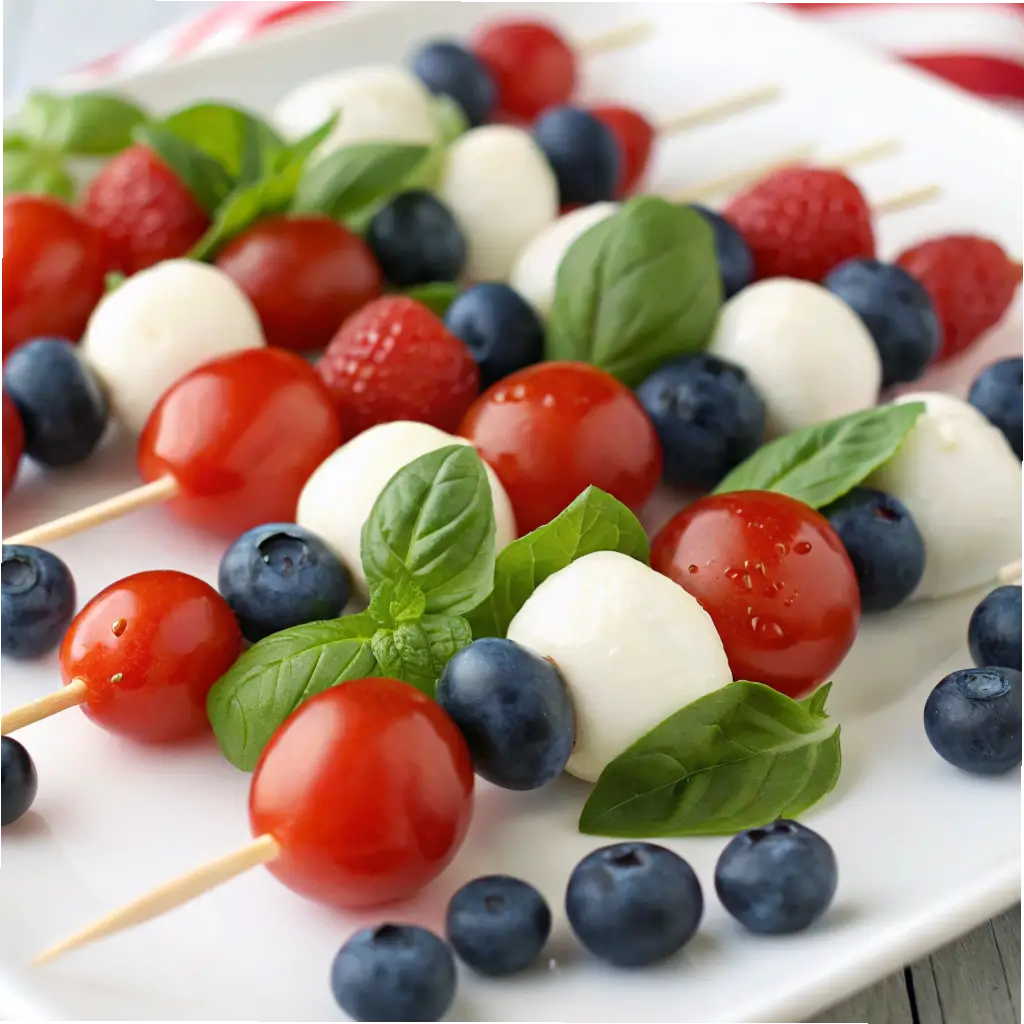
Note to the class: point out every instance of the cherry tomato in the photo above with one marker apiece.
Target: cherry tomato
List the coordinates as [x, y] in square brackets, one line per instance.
[774, 578]
[149, 648]
[635, 136]
[241, 435]
[14, 442]
[368, 789]
[304, 275]
[552, 430]
[54, 270]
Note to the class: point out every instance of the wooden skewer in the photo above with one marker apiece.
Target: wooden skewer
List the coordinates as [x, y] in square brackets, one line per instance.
[905, 200]
[720, 110]
[1009, 573]
[70, 696]
[615, 39]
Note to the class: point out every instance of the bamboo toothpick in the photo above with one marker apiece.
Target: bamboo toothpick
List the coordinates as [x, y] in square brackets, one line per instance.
[70, 696]
[720, 110]
[1009, 573]
[736, 179]
[905, 200]
[617, 38]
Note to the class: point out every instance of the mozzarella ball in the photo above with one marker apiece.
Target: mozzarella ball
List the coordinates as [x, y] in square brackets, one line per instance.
[961, 482]
[502, 192]
[339, 496]
[161, 324]
[806, 352]
[632, 646]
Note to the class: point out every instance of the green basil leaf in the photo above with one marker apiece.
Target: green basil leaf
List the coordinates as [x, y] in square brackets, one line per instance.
[38, 172]
[397, 600]
[435, 522]
[595, 521]
[417, 652]
[637, 289]
[821, 463]
[734, 759]
[302, 149]
[113, 281]
[15, 142]
[437, 297]
[269, 681]
[203, 176]
[83, 124]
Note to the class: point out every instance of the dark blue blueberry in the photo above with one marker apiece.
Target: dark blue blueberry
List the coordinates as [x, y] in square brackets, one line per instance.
[777, 879]
[972, 719]
[884, 545]
[996, 394]
[416, 240]
[499, 327]
[994, 632]
[708, 416]
[448, 69]
[394, 972]
[582, 152]
[62, 404]
[38, 601]
[633, 904]
[897, 312]
[735, 260]
[18, 780]
[498, 925]
[281, 575]
[513, 709]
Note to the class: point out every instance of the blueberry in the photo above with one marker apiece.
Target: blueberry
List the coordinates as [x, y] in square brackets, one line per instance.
[708, 416]
[897, 312]
[499, 327]
[62, 405]
[972, 719]
[993, 634]
[996, 394]
[448, 69]
[633, 904]
[735, 260]
[513, 709]
[38, 601]
[281, 575]
[416, 240]
[498, 925]
[582, 152]
[777, 879]
[18, 780]
[394, 972]
[884, 545]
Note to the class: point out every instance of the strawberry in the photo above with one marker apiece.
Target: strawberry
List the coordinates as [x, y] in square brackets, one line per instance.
[143, 210]
[395, 360]
[971, 282]
[803, 221]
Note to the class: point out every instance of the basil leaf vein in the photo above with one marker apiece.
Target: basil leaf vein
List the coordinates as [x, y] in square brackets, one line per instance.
[417, 652]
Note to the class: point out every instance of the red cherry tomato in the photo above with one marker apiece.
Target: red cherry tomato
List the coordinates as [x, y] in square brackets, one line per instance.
[14, 441]
[635, 136]
[552, 430]
[54, 269]
[304, 275]
[775, 579]
[241, 435]
[149, 648]
[533, 67]
[368, 789]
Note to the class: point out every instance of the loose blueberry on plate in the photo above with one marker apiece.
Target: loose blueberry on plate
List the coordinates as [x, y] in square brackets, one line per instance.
[514, 710]
[448, 69]
[38, 601]
[498, 925]
[582, 152]
[281, 575]
[973, 719]
[994, 632]
[18, 780]
[394, 972]
[633, 904]
[735, 260]
[777, 879]
[884, 545]
[708, 417]
[996, 394]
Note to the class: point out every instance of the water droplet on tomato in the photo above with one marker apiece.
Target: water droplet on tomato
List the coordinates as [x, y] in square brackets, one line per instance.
[116, 678]
[119, 626]
[693, 569]
[802, 548]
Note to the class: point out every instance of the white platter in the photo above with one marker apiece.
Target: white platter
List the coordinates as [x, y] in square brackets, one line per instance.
[925, 852]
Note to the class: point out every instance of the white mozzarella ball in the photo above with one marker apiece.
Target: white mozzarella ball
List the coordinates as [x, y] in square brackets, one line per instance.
[961, 483]
[502, 192]
[632, 646]
[806, 352]
[339, 496]
[161, 324]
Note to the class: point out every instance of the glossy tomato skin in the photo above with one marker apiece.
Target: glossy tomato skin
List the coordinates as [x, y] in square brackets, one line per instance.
[554, 429]
[368, 789]
[635, 136]
[14, 442]
[54, 269]
[149, 648]
[775, 579]
[241, 435]
[304, 275]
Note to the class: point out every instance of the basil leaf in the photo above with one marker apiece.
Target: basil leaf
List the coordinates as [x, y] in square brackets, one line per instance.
[437, 297]
[417, 652]
[15, 142]
[83, 124]
[435, 522]
[637, 289]
[38, 172]
[302, 149]
[595, 521]
[269, 681]
[734, 759]
[203, 176]
[397, 601]
[821, 463]
[113, 280]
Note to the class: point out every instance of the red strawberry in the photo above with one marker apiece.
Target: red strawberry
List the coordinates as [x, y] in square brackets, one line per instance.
[143, 210]
[395, 360]
[803, 221]
[971, 282]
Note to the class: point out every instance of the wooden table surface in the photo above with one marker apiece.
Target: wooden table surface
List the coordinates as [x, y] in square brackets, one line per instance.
[975, 980]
